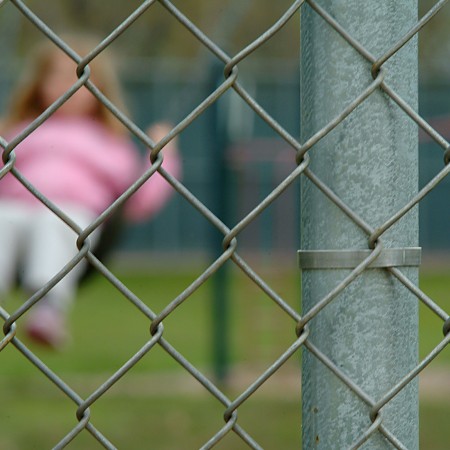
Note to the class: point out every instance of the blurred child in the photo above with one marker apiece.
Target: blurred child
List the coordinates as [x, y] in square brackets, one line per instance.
[81, 159]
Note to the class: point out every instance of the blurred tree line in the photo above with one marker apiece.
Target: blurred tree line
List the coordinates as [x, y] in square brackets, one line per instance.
[232, 24]
[434, 45]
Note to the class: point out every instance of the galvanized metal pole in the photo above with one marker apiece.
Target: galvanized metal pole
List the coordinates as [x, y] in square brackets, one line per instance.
[369, 331]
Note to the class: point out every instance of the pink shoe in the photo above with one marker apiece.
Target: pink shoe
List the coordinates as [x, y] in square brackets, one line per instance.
[46, 325]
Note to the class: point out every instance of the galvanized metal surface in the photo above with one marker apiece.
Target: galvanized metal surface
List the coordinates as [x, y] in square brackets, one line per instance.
[370, 92]
[348, 259]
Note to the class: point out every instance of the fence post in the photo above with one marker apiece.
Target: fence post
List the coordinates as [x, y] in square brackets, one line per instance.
[220, 206]
[369, 330]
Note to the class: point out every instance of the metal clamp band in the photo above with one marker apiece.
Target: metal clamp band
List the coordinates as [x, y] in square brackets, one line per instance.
[349, 259]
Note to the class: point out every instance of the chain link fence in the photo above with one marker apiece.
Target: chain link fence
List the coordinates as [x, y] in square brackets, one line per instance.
[302, 153]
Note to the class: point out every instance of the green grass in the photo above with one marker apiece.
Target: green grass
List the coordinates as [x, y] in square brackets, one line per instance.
[436, 285]
[157, 404]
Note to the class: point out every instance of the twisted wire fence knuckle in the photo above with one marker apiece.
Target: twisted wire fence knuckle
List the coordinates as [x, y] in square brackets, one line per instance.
[83, 412]
[83, 71]
[302, 158]
[9, 329]
[375, 69]
[7, 339]
[230, 424]
[230, 242]
[83, 243]
[446, 327]
[231, 69]
[230, 413]
[156, 326]
[447, 156]
[301, 329]
[156, 156]
[366, 436]
[8, 154]
[374, 413]
[8, 160]
[8, 325]
[373, 240]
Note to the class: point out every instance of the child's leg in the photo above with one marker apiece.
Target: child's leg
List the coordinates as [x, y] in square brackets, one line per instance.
[52, 246]
[13, 223]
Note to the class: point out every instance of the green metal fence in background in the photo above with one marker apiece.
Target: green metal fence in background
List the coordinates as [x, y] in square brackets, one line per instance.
[153, 92]
[254, 172]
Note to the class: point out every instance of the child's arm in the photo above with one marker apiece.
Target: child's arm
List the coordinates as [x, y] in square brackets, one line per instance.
[155, 192]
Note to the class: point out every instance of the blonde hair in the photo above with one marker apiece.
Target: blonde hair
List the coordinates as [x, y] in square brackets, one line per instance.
[26, 101]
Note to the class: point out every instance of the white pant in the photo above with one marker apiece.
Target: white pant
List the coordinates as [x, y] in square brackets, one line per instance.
[40, 244]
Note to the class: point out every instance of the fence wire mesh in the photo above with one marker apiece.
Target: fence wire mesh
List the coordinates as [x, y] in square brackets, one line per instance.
[301, 153]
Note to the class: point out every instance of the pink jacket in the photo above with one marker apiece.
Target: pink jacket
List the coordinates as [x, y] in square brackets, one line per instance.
[79, 162]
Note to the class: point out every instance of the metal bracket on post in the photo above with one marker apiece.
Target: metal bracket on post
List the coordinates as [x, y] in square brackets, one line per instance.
[349, 259]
